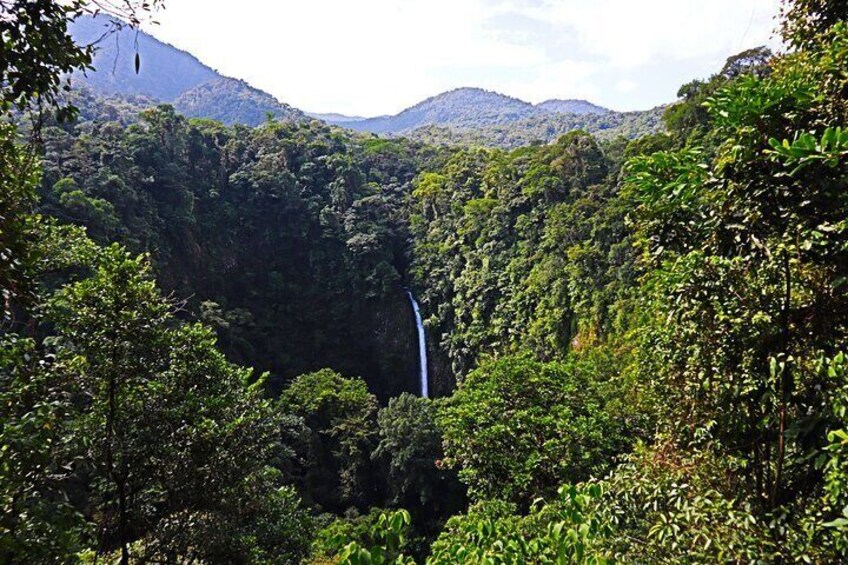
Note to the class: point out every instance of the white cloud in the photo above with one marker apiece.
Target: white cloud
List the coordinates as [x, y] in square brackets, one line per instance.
[625, 85]
[629, 34]
[379, 56]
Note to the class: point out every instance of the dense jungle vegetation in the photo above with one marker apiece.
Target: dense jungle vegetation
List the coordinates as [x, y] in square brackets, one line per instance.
[637, 346]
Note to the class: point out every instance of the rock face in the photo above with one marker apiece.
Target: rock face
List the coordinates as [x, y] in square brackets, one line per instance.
[394, 347]
[394, 352]
[442, 379]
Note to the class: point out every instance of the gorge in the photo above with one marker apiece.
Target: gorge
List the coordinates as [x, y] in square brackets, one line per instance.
[475, 331]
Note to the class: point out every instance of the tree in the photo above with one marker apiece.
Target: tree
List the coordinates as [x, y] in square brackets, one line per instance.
[340, 415]
[567, 529]
[17, 227]
[379, 537]
[39, 523]
[382, 539]
[411, 447]
[801, 21]
[175, 443]
[744, 240]
[517, 429]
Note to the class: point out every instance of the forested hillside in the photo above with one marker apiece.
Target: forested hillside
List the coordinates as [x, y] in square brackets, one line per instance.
[571, 107]
[273, 235]
[481, 117]
[459, 107]
[637, 343]
[544, 128]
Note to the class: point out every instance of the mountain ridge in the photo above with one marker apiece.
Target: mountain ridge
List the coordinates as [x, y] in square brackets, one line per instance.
[484, 117]
[337, 118]
[572, 106]
[170, 75]
[463, 106]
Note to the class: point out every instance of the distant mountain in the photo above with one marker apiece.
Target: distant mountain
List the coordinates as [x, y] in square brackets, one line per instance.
[165, 71]
[483, 117]
[333, 118]
[463, 107]
[168, 74]
[464, 115]
[230, 101]
[579, 107]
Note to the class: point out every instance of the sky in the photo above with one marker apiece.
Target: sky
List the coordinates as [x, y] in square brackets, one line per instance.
[373, 57]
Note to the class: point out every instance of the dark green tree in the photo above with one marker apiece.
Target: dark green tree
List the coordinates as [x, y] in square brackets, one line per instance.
[176, 443]
[341, 417]
[410, 445]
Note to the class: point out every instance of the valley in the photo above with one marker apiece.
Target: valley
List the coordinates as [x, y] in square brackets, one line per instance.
[480, 330]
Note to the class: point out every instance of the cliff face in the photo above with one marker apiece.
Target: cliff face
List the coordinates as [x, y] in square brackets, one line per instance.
[390, 364]
[393, 348]
[442, 379]
[393, 367]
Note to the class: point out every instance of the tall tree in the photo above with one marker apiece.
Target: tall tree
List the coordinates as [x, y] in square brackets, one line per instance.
[176, 442]
[340, 415]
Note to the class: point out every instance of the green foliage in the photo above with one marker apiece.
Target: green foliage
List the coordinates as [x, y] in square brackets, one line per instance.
[520, 250]
[38, 524]
[806, 149]
[803, 21]
[174, 443]
[697, 304]
[381, 536]
[836, 468]
[566, 530]
[517, 429]
[17, 229]
[745, 238]
[128, 431]
[340, 416]
[410, 444]
[665, 505]
[689, 118]
[292, 230]
[388, 537]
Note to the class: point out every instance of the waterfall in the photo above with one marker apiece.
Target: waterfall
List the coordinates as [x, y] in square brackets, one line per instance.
[422, 345]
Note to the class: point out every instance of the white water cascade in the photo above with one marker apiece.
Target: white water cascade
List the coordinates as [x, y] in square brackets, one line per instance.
[422, 345]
